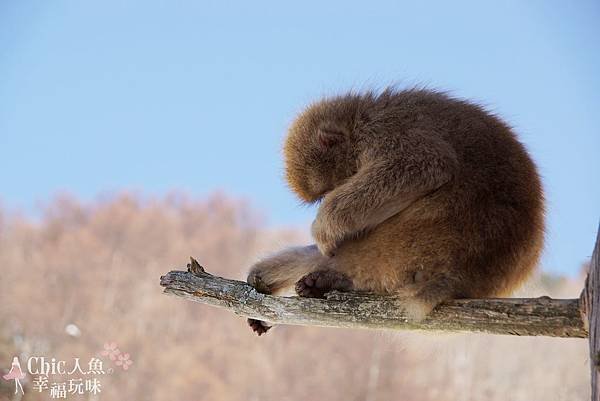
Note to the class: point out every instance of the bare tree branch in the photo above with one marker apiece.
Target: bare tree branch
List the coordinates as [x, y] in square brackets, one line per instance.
[513, 316]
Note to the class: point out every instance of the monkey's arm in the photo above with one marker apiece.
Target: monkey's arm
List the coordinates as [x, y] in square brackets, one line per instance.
[388, 182]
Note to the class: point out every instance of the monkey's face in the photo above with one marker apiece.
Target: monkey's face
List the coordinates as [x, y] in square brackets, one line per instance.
[318, 150]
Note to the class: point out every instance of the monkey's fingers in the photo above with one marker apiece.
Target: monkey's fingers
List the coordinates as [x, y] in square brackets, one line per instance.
[258, 326]
[316, 284]
[326, 248]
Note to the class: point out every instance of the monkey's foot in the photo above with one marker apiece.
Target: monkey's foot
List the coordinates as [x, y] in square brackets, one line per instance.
[256, 280]
[320, 282]
[258, 326]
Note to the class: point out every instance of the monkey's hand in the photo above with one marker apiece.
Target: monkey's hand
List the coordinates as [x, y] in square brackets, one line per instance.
[326, 243]
[328, 229]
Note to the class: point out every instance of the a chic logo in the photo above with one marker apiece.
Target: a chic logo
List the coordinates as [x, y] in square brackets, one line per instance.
[61, 378]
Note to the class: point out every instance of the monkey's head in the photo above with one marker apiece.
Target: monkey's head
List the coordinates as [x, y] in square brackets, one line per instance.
[320, 147]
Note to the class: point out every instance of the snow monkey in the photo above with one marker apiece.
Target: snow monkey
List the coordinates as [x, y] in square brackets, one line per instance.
[420, 194]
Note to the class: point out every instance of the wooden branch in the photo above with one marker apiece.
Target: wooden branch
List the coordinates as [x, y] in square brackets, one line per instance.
[590, 305]
[513, 316]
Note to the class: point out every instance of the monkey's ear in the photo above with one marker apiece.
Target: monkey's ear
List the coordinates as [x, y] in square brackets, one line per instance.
[329, 138]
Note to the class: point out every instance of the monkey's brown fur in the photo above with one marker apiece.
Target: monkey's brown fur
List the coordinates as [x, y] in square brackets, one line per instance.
[421, 195]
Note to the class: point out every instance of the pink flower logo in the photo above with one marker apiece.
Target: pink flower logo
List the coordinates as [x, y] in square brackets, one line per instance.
[111, 351]
[124, 361]
[121, 359]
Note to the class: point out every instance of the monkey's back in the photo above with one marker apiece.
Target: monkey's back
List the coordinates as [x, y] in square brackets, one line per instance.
[484, 228]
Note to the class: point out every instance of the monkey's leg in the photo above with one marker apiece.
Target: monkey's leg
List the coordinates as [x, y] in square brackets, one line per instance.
[281, 271]
[430, 294]
[421, 296]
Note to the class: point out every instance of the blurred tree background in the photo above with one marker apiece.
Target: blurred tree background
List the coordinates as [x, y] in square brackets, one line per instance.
[86, 274]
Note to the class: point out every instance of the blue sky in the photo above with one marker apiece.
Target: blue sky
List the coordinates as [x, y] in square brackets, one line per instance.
[154, 96]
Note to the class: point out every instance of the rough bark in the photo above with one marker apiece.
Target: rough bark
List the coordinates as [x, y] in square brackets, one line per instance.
[512, 316]
[590, 306]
